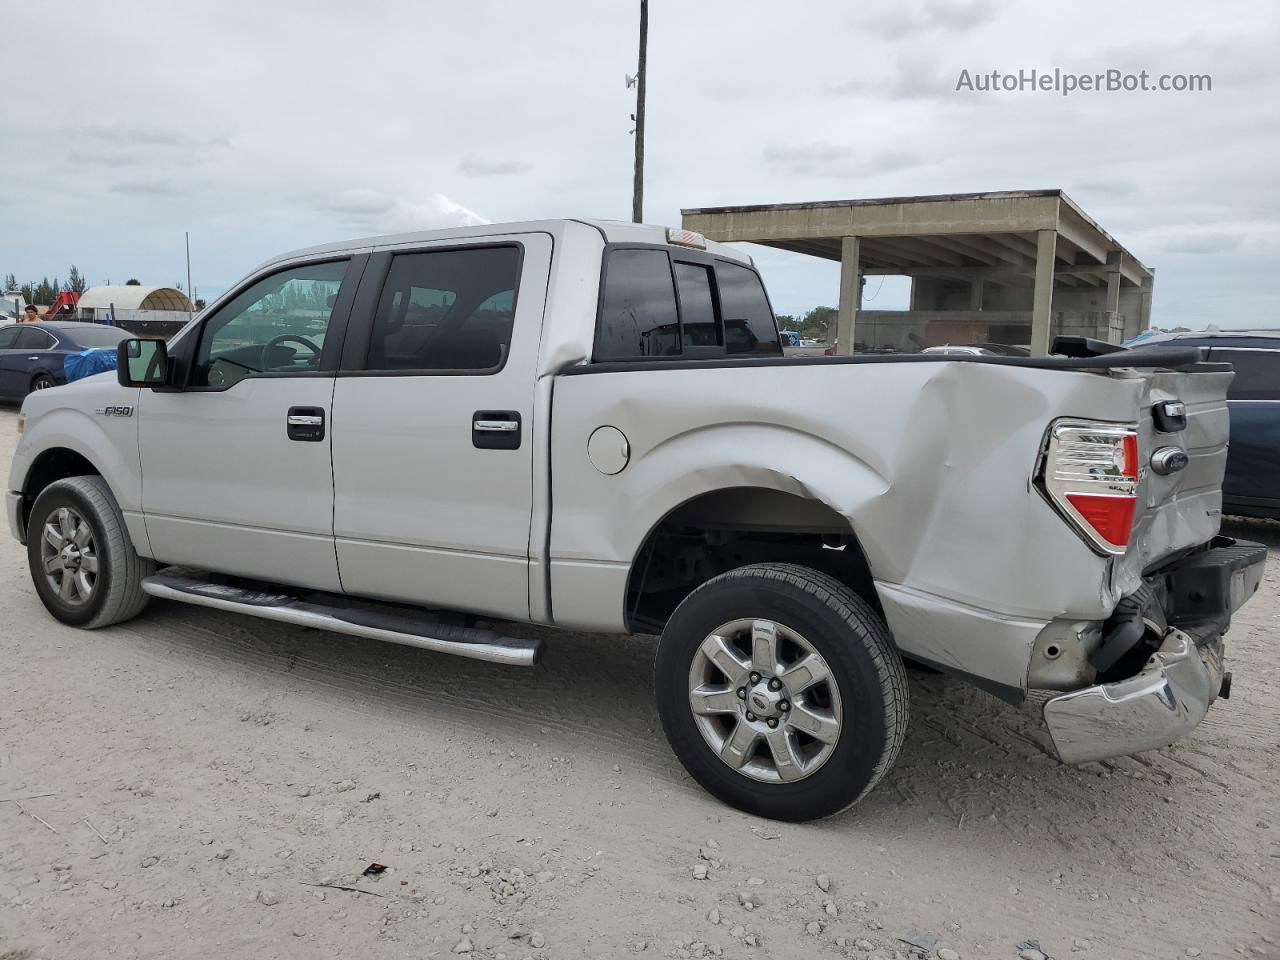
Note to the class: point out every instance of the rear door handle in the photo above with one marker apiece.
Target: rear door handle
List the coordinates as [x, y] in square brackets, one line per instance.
[305, 424]
[496, 430]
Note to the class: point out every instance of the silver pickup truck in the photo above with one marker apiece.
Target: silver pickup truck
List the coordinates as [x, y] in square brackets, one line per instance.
[592, 425]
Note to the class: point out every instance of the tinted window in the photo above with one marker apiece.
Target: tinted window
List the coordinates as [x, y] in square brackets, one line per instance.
[277, 325]
[93, 336]
[1257, 373]
[638, 307]
[8, 334]
[33, 338]
[697, 310]
[749, 326]
[446, 310]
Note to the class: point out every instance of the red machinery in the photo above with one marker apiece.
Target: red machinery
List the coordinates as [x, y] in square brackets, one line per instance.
[63, 306]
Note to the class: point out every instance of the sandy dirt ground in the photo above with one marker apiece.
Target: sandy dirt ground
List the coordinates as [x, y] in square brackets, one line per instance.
[203, 775]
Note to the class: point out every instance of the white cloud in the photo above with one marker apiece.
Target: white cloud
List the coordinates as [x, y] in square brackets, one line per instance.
[368, 211]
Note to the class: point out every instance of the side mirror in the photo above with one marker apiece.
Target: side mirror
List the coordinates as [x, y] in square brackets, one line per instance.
[142, 363]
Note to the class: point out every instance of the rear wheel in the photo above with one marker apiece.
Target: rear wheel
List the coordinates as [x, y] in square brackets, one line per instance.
[42, 381]
[82, 561]
[781, 691]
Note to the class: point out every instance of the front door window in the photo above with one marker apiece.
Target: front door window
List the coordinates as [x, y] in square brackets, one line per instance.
[277, 326]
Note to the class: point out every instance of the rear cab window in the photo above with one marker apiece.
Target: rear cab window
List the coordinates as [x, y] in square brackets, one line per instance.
[660, 302]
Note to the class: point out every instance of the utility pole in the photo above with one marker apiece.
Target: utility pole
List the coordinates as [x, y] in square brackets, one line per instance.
[637, 192]
[187, 235]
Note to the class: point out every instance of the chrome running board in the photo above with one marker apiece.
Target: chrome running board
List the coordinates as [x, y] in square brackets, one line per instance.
[342, 615]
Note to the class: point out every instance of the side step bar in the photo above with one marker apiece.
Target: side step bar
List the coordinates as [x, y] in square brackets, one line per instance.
[341, 615]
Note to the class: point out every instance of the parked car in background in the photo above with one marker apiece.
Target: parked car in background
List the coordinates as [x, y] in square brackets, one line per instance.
[32, 355]
[1252, 484]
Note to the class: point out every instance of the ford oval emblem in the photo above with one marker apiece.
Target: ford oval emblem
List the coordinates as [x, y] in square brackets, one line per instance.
[1169, 460]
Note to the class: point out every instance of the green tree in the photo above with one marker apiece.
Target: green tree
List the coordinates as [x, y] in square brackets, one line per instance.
[75, 280]
[42, 292]
[132, 282]
[820, 322]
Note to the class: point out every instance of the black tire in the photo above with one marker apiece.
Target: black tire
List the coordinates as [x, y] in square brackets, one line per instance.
[863, 662]
[116, 593]
[42, 381]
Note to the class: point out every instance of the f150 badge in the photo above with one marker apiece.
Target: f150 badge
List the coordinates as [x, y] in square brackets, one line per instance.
[114, 411]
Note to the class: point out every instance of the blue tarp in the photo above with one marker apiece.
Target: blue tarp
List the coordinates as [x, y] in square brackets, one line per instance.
[88, 362]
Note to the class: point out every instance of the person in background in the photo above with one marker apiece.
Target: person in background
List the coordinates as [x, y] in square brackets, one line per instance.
[29, 315]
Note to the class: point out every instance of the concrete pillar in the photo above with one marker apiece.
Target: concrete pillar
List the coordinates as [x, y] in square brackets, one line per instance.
[975, 293]
[1042, 308]
[850, 294]
[1144, 311]
[1113, 296]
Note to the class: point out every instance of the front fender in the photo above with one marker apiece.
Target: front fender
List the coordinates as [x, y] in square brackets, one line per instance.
[109, 443]
[75, 417]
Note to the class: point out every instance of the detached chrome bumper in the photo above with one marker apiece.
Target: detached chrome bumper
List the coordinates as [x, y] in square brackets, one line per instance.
[1171, 694]
[1163, 703]
[13, 510]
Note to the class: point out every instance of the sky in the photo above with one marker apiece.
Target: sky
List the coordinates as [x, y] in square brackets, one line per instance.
[263, 127]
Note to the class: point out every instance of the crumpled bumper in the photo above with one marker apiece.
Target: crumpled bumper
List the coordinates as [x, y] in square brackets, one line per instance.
[1164, 702]
[1171, 694]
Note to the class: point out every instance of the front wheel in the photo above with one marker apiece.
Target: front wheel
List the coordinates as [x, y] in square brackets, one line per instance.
[781, 691]
[82, 561]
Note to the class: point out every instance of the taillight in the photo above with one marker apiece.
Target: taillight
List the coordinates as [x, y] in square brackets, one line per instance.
[1090, 473]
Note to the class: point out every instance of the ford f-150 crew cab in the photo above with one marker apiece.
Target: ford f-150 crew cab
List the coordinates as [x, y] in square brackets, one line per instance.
[591, 425]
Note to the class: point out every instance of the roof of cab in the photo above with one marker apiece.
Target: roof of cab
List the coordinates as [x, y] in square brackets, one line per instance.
[613, 231]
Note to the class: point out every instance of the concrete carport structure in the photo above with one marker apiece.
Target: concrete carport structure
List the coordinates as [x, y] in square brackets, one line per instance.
[1014, 267]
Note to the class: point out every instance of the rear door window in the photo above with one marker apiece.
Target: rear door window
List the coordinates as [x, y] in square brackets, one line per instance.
[1257, 373]
[33, 338]
[446, 311]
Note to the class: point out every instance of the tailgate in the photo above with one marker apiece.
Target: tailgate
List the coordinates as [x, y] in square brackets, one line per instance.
[1183, 509]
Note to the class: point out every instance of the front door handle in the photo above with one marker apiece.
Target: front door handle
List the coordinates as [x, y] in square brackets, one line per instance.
[305, 424]
[496, 430]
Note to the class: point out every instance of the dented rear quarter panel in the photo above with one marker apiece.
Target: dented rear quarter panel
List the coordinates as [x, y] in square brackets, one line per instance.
[931, 463]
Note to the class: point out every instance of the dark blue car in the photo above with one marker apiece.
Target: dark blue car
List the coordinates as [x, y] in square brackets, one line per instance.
[1252, 484]
[32, 354]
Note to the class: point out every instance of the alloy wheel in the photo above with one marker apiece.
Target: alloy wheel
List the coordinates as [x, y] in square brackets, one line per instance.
[69, 555]
[764, 700]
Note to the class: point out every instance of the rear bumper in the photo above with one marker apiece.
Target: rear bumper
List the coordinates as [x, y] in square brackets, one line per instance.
[13, 510]
[1171, 694]
[1163, 703]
